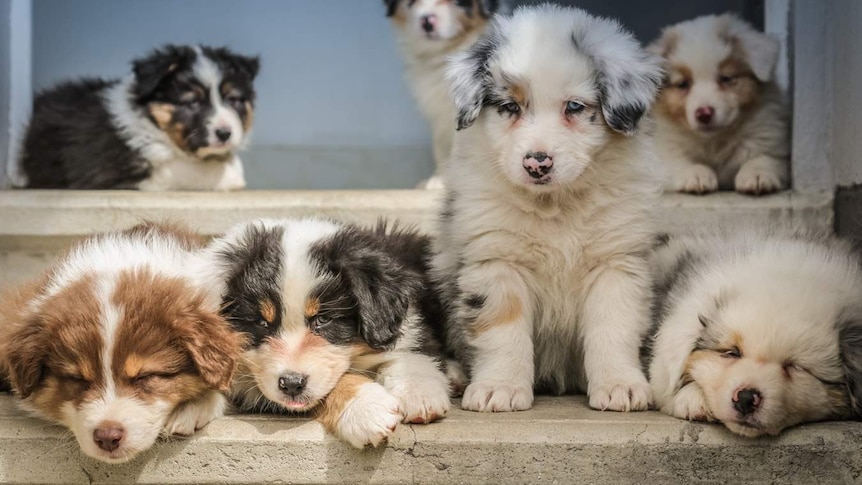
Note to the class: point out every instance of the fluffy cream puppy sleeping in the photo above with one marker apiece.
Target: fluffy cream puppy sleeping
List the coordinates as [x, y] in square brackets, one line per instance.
[546, 223]
[721, 121]
[761, 330]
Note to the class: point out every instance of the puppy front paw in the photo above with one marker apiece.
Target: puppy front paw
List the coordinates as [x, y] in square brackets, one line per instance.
[194, 415]
[757, 180]
[621, 396]
[497, 397]
[689, 403]
[695, 179]
[424, 401]
[370, 417]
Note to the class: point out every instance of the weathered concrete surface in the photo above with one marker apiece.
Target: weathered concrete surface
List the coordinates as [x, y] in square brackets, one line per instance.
[559, 441]
[35, 225]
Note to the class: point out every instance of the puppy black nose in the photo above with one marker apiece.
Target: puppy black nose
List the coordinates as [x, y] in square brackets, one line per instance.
[108, 435]
[428, 22]
[538, 164]
[293, 383]
[746, 401]
[704, 114]
[223, 134]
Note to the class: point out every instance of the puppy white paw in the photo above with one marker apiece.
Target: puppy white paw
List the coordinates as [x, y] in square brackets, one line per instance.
[695, 179]
[497, 397]
[194, 415]
[424, 401]
[369, 418]
[621, 396]
[754, 180]
[690, 403]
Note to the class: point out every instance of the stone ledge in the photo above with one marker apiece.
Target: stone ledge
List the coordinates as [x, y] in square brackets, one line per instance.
[558, 441]
[43, 213]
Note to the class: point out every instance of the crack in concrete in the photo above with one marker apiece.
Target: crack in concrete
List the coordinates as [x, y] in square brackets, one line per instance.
[637, 436]
[89, 477]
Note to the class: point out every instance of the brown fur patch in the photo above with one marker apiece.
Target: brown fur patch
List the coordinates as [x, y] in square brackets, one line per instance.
[312, 306]
[267, 310]
[162, 113]
[47, 352]
[329, 411]
[745, 86]
[671, 101]
[248, 120]
[493, 316]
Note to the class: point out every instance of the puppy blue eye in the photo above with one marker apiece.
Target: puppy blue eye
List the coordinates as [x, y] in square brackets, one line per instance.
[510, 108]
[574, 107]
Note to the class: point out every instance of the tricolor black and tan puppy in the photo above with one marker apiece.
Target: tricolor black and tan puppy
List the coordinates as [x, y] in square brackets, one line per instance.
[118, 345]
[760, 330]
[174, 124]
[428, 31]
[324, 304]
[721, 119]
[546, 228]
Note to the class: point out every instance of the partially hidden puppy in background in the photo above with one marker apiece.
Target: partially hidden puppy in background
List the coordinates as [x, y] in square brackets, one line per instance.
[721, 121]
[341, 322]
[174, 124]
[428, 31]
[760, 330]
[545, 231]
[117, 344]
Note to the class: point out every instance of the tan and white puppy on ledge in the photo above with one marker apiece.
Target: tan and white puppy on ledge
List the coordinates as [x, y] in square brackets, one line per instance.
[721, 119]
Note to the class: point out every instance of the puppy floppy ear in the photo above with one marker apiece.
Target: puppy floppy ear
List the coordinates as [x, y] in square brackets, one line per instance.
[213, 346]
[850, 341]
[470, 78]
[760, 51]
[627, 77]
[391, 7]
[151, 70]
[383, 290]
[24, 355]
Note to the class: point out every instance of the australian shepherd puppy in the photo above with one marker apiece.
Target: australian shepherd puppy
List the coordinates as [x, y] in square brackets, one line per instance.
[174, 124]
[341, 321]
[759, 330]
[117, 345]
[428, 31]
[545, 230]
[721, 120]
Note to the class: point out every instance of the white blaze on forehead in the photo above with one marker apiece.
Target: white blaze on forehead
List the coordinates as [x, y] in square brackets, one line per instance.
[699, 47]
[208, 73]
[299, 272]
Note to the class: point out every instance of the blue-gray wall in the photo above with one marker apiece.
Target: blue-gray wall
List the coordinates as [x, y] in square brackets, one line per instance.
[333, 110]
[5, 39]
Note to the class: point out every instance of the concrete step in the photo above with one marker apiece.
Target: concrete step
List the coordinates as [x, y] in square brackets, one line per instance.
[35, 225]
[559, 441]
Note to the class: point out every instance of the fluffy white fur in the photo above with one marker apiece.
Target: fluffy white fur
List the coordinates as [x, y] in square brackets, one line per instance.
[547, 278]
[745, 145]
[425, 56]
[775, 313]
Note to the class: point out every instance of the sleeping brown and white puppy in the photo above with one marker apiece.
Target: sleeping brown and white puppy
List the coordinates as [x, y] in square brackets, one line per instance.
[324, 305]
[761, 330]
[117, 344]
[428, 31]
[721, 119]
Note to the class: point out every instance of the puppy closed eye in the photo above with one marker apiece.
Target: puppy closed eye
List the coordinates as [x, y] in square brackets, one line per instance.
[149, 378]
[727, 80]
[76, 379]
[731, 353]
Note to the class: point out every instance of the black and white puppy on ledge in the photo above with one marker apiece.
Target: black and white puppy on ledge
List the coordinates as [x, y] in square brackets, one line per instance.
[341, 323]
[174, 124]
